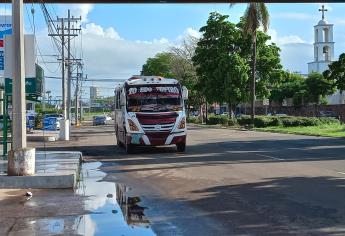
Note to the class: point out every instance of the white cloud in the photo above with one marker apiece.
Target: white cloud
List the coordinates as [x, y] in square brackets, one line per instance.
[93, 29]
[105, 55]
[295, 56]
[81, 10]
[189, 32]
[295, 52]
[281, 40]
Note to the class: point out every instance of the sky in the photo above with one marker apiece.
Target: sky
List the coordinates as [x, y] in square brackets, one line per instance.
[117, 39]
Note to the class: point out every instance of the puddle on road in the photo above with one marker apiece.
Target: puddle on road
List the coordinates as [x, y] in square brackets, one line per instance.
[113, 211]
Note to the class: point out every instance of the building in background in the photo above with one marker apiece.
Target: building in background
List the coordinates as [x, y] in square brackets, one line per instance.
[323, 45]
[324, 53]
[94, 93]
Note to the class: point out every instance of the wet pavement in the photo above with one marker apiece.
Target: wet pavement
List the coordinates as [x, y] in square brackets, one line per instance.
[112, 211]
[95, 208]
[228, 182]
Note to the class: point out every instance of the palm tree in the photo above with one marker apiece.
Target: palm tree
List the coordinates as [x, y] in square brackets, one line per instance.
[256, 15]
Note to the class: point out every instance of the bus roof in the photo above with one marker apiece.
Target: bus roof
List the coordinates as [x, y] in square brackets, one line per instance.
[145, 80]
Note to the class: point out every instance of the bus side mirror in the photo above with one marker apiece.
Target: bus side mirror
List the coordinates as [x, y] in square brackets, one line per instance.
[184, 93]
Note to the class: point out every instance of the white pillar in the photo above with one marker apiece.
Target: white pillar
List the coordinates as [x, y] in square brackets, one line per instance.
[18, 72]
[21, 160]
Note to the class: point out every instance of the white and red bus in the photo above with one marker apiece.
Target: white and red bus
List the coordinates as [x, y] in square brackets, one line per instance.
[149, 110]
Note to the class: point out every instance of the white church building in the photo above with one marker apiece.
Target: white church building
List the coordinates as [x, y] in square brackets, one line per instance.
[324, 53]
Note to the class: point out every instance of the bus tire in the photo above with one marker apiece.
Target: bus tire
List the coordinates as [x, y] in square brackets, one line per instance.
[128, 147]
[181, 147]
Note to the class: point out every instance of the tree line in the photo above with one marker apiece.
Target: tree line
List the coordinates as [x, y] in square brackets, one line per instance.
[227, 65]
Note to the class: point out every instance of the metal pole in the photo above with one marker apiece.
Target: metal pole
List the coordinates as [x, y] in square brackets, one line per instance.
[76, 98]
[18, 71]
[69, 66]
[63, 69]
[64, 125]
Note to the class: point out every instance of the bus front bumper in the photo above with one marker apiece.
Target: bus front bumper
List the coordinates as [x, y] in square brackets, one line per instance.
[156, 138]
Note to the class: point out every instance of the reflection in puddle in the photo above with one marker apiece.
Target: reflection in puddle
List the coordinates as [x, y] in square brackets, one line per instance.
[132, 212]
[106, 200]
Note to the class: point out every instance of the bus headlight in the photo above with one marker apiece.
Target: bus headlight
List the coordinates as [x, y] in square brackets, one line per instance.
[182, 123]
[132, 125]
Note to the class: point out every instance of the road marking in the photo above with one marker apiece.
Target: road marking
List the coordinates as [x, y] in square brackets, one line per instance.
[275, 158]
[342, 173]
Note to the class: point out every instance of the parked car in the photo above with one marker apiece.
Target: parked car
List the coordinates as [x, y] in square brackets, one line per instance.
[58, 118]
[99, 120]
[329, 114]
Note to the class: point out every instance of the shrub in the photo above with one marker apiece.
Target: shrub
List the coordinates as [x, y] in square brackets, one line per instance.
[244, 120]
[193, 120]
[232, 122]
[307, 121]
[38, 120]
[328, 121]
[214, 120]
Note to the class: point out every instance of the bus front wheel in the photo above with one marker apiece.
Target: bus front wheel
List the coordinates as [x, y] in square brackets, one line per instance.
[128, 146]
[181, 147]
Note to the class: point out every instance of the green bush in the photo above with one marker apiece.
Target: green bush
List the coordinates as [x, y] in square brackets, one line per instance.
[286, 121]
[38, 120]
[193, 120]
[328, 121]
[244, 120]
[232, 122]
[307, 121]
[214, 120]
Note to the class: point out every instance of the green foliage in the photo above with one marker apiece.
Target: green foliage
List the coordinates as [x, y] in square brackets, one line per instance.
[214, 120]
[307, 121]
[39, 120]
[318, 86]
[194, 120]
[336, 72]
[256, 15]
[159, 65]
[269, 121]
[291, 86]
[232, 122]
[214, 56]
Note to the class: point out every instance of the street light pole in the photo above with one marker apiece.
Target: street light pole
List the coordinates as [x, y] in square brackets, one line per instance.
[21, 160]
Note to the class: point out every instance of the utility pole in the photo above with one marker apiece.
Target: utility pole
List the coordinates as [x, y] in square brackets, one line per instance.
[21, 160]
[68, 32]
[76, 94]
[69, 71]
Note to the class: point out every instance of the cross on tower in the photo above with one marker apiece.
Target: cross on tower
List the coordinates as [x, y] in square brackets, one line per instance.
[323, 9]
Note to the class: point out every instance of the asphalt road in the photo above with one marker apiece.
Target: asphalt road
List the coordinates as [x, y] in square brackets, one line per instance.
[229, 182]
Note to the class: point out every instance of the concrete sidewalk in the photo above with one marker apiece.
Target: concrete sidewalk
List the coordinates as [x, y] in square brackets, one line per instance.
[53, 170]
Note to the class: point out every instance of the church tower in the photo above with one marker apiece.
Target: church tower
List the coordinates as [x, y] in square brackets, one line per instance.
[323, 45]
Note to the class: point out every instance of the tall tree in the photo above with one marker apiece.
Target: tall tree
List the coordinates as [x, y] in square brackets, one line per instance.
[184, 70]
[336, 72]
[319, 86]
[159, 65]
[256, 15]
[223, 72]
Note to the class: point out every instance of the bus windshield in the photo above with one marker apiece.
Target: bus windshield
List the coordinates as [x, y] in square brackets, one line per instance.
[154, 99]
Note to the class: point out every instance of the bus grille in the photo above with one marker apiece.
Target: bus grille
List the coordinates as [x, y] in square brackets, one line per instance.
[158, 127]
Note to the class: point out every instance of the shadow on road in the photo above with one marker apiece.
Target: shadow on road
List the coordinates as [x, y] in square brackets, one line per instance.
[299, 205]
